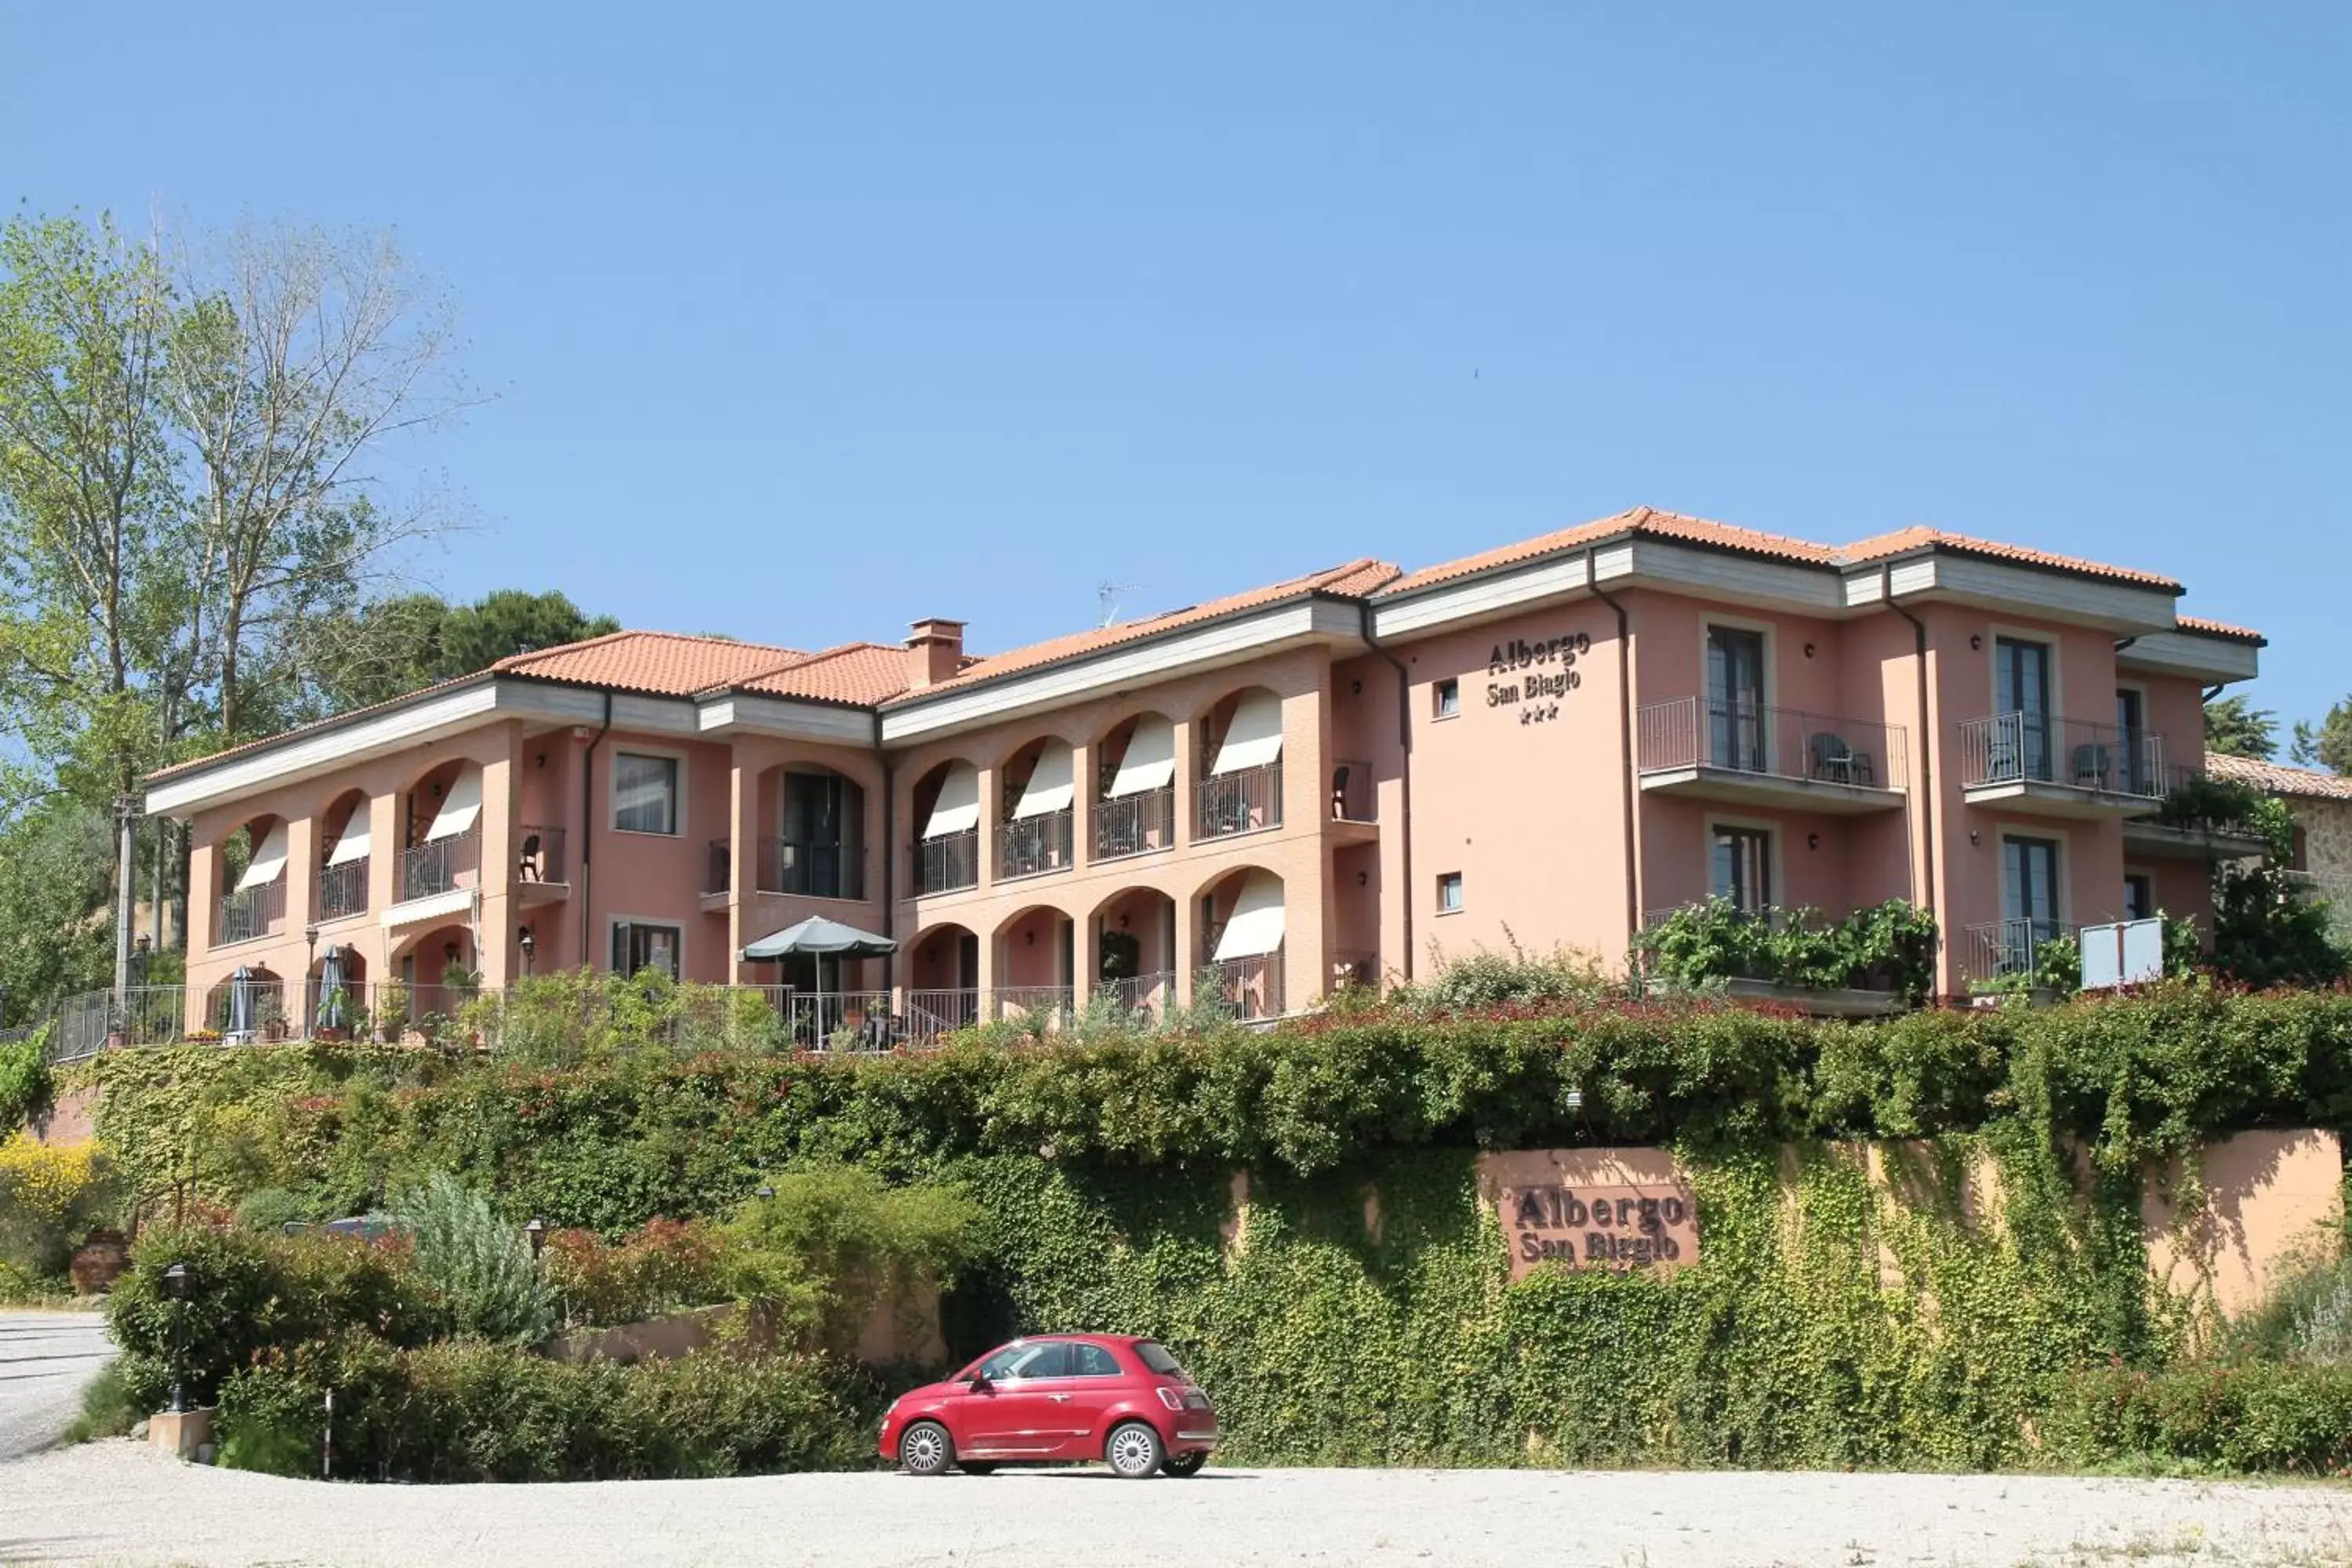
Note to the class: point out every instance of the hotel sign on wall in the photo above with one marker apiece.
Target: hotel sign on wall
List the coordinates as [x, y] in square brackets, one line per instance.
[1614, 1209]
[1532, 676]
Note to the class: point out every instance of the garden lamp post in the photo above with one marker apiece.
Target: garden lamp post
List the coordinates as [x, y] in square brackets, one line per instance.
[177, 1283]
[529, 942]
[537, 1231]
[309, 986]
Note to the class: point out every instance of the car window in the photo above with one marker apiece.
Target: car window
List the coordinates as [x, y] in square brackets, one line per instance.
[1092, 1360]
[1047, 1358]
[1157, 1358]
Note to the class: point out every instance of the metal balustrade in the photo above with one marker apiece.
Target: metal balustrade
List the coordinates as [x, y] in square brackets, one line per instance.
[2035, 748]
[1778, 742]
[1033, 845]
[440, 865]
[1135, 824]
[1246, 801]
[342, 890]
[947, 863]
[1998, 950]
[249, 914]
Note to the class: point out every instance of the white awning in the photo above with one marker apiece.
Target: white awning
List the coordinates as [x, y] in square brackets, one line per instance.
[353, 845]
[957, 810]
[1049, 785]
[461, 808]
[1255, 928]
[1255, 737]
[1150, 760]
[269, 862]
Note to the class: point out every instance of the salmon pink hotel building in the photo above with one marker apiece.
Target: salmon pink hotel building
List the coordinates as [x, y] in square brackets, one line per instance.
[1272, 793]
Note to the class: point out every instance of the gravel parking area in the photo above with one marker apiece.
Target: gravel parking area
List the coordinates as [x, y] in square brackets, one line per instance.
[46, 1358]
[118, 1502]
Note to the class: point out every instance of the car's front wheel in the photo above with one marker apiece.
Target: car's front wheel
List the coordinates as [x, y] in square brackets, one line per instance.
[1134, 1450]
[1182, 1465]
[925, 1449]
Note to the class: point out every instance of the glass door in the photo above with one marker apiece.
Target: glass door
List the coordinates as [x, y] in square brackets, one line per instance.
[1735, 697]
[2021, 749]
[2131, 719]
[2029, 894]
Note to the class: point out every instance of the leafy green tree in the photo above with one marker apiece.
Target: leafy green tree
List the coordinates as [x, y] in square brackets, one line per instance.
[2234, 727]
[2329, 745]
[2267, 930]
[511, 621]
[54, 938]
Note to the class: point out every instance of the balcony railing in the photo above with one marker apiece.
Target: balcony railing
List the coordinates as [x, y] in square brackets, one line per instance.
[1033, 845]
[440, 865]
[796, 868]
[1148, 994]
[2034, 747]
[1252, 987]
[932, 1013]
[1246, 801]
[2002, 949]
[342, 890]
[1043, 1007]
[249, 914]
[539, 853]
[949, 862]
[1135, 824]
[1353, 799]
[1778, 742]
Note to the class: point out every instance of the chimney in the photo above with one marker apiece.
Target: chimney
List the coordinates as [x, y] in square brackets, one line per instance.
[934, 652]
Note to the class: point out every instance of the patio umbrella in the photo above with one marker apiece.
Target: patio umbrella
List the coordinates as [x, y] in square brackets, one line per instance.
[820, 938]
[331, 981]
[240, 1001]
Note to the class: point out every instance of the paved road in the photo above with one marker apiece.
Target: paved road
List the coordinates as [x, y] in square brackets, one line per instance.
[156, 1510]
[46, 1358]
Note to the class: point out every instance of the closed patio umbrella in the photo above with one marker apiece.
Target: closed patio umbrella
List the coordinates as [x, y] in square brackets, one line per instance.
[820, 938]
[330, 983]
[240, 1002]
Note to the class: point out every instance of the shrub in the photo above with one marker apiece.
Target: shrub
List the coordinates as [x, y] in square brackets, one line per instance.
[483, 1264]
[2250, 1416]
[833, 1240]
[51, 1198]
[108, 1409]
[1517, 978]
[274, 1208]
[660, 1266]
[1890, 946]
[24, 1084]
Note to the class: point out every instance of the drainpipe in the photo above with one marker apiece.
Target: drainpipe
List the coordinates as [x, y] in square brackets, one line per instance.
[1624, 745]
[1926, 736]
[588, 834]
[1404, 789]
[889, 857]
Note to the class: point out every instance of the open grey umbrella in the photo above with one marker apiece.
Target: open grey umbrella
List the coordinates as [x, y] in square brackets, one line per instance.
[820, 938]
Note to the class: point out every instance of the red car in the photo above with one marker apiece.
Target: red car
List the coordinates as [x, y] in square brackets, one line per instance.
[1055, 1398]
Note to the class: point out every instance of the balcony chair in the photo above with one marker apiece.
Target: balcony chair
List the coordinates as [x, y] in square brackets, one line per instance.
[527, 868]
[1339, 795]
[2094, 767]
[1835, 761]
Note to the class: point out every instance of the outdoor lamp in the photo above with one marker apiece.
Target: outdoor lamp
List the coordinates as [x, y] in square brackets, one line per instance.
[529, 942]
[177, 1283]
[537, 1231]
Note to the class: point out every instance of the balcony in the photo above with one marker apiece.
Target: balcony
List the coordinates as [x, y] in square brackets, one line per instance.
[2016, 953]
[342, 891]
[433, 876]
[1135, 824]
[1354, 804]
[790, 867]
[1248, 800]
[1251, 987]
[539, 868]
[2061, 767]
[948, 863]
[1750, 754]
[249, 914]
[2198, 819]
[1033, 846]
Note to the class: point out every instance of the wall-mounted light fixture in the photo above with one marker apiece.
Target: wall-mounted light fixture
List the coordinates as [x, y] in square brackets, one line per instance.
[1975, 641]
[1812, 841]
[1363, 879]
[1809, 650]
[1975, 837]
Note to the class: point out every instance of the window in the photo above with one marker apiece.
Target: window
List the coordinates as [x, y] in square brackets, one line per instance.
[2022, 696]
[1735, 697]
[1740, 868]
[1449, 892]
[1050, 1359]
[825, 826]
[644, 794]
[2029, 892]
[1155, 1356]
[1446, 702]
[2131, 721]
[637, 946]
[1092, 1360]
[2140, 896]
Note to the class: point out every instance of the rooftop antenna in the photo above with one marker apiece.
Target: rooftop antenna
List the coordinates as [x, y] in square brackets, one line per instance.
[1107, 600]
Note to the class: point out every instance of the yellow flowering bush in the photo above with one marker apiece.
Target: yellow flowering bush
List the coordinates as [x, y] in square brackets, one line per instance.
[50, 1200]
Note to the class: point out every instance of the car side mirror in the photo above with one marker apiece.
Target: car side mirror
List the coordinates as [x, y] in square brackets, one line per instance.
[979, 1381]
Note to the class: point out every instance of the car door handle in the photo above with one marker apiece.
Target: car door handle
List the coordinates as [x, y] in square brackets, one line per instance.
[1059, 1398]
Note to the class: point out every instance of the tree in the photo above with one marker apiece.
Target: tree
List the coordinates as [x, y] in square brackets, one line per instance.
[2267, 931]
[511, 621]
[2329, 746]
[54, 938]
[359, 657]
[2233, 726]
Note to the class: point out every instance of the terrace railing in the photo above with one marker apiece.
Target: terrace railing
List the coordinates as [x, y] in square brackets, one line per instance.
[1135, 824]
[440, 865]
[1778, 742]
[2034, 747]
[1252, 987]
[947, 863]
[2000, 949]
[1033, 845]
[1246, 801]
[249, 914]
[342, 890]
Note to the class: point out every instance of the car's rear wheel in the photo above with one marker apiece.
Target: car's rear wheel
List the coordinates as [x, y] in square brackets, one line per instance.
[977, 1467]
[1134, 1450]
[1182, 1465]
[925, 1449]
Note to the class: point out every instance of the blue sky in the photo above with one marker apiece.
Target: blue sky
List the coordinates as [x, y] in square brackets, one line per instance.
[805, 320]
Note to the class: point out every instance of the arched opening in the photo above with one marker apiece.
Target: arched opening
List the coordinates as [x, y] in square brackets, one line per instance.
[942, 984]
[345, 843]
[252, 867]
[1136, 960]
[337, 1006]
[246, 1005]
[947, 833]
[436, 975]
[1241, 765]
[811, 841]
[1242, 942]
[441, 831]
[1036, 965]
[1035, 796]
[1135, 788]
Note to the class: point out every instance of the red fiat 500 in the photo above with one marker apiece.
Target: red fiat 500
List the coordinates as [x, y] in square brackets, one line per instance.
[1056, 1398]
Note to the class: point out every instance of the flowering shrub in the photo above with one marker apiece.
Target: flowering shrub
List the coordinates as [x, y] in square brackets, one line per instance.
[660, 1266]
[50, 1200]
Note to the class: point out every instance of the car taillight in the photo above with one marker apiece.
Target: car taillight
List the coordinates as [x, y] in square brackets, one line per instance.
[1171, 1397]
[1196, 1399]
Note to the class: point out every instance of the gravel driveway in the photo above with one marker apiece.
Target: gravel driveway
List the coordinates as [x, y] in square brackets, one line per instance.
[118, 1502]
[46, 1358]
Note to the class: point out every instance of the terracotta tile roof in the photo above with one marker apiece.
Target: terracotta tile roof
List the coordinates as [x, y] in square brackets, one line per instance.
[2203, 627]
[2278, 778]
[1640, 519]
[1905, 541]
[860, 673]
[662, 664]
[1354, 579]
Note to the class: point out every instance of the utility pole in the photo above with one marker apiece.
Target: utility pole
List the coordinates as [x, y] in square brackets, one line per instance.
[126, 812]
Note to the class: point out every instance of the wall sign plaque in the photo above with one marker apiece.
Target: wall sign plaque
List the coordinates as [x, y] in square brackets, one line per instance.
[1617, 1209]
[1517, 676]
